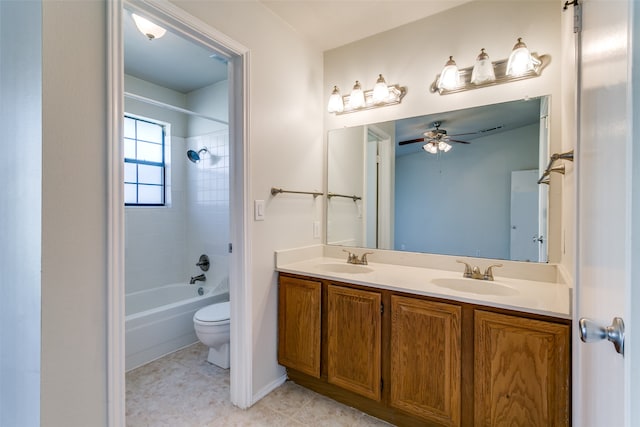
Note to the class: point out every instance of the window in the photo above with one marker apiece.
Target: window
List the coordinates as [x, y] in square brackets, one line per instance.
[144, 163]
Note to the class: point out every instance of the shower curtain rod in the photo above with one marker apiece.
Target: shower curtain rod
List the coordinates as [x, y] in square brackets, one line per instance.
[171, 107]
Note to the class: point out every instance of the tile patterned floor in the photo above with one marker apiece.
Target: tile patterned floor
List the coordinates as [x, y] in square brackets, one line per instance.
[184, 390]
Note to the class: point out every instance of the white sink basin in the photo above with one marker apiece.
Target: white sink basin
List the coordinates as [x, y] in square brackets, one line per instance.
[473, 286]
[344, 268]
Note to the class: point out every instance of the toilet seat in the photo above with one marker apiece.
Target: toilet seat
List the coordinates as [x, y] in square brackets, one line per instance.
[214, 314]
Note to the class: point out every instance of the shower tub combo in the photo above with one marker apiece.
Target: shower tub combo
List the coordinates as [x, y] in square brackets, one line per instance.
[160, 321]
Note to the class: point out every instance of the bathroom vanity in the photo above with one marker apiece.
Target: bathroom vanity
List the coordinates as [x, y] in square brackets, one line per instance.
[416, 345]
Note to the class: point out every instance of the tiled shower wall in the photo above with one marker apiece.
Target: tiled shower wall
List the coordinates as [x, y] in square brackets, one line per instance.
[207, 207]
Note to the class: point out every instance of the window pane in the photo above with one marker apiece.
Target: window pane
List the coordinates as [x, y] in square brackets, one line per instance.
[149, 132]
[150, 194]
[150, 174]
[149, 152]
[129, 148]
[129, 127]
[130, 193]
[130, 174]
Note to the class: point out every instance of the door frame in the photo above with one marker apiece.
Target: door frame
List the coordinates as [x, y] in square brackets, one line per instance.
[238, 56]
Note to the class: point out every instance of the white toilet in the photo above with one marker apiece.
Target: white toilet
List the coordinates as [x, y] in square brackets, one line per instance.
[212, 328]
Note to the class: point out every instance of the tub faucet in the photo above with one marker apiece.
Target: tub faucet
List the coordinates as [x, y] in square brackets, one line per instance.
[198, 278]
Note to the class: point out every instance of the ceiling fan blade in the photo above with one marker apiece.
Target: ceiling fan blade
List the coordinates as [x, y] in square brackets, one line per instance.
[458, 141]
[411, 141]
[460, 134]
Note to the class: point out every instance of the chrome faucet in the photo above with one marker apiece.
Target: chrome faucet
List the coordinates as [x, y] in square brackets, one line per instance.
[353, 258]
[198, 278]
[474, 273]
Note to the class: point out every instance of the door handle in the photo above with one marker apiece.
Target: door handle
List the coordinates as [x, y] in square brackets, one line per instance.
[590, 331]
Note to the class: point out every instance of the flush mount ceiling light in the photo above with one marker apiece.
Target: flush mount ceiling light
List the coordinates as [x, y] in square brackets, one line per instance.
[148, 28]
[520, 65]
[381, 95]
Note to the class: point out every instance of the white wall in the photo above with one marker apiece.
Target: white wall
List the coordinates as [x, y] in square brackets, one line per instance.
[74, 215]
[285, 148]
[414, 54]
[346, 176]
[200, 101]
[458, 203]
[20, 213]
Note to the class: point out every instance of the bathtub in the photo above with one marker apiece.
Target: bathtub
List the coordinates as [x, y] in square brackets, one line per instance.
[159, 321]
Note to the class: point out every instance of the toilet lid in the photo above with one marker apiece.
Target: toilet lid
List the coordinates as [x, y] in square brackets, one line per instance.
[214, 312]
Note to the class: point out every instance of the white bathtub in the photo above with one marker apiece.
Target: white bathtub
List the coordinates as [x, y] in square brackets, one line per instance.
[160, 321]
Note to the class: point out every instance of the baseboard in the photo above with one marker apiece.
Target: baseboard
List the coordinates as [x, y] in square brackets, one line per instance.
[268, 389]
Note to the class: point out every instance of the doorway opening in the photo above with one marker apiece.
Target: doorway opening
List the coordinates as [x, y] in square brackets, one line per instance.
[183, 93]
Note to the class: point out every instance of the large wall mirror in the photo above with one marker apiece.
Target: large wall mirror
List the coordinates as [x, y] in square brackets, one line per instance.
[476, 195]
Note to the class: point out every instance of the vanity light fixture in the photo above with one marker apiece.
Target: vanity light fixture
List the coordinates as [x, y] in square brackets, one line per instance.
[483, 69]
[521, 64]
[450, 76]
[336, 104]
[380, 91]
[148, 28]
[356, 100]
[520, 60]
[381, 95]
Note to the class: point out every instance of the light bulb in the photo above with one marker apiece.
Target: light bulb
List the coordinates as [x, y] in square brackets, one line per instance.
[380, 91]
[520, 61]
[430, 147]
[443, 146]
[356, 99]
[483, 69]
[148, 28]
[450, 77]
[336, 105]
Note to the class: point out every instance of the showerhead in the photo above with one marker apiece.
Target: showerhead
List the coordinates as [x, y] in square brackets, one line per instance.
[195, 156]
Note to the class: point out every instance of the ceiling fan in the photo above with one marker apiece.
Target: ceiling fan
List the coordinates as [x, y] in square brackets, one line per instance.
[437, 139]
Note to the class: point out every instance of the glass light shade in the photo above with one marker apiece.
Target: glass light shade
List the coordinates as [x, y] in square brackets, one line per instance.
[443, 146]
[430, 147]
[356, 99]
[520, 61]
[450, 77]
[148, 28]
[380, 91]
[336, 105]
[483, 69]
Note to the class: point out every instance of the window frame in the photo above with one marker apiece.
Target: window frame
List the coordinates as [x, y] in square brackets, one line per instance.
[162, 164]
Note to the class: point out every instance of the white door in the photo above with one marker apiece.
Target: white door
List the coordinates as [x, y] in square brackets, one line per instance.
[603, 391]
[525, 241]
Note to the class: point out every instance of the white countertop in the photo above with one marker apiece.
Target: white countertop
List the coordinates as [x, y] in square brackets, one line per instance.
[539, 297]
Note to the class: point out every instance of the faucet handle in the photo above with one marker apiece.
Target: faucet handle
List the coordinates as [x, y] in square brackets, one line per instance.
[363, 258]
[488, 273]
[467, 269]
[350, 255]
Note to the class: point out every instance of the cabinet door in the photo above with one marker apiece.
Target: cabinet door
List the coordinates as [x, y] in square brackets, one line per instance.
[425, 359]
[354, 340]
[299, 305]
[521, 372]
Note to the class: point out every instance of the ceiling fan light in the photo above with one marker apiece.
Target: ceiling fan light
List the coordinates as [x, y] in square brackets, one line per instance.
[430, 147]
[483, 69]
[336, 105]
[443, 146]
[148, 28]
[450, 76]
[520, 60]
[356, 99]
[380, 91]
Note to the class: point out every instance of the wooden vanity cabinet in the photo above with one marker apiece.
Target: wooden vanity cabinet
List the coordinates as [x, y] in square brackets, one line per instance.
[425, 359]
[354, 340]
[417, 360]
[521, 374]
[299, 323]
